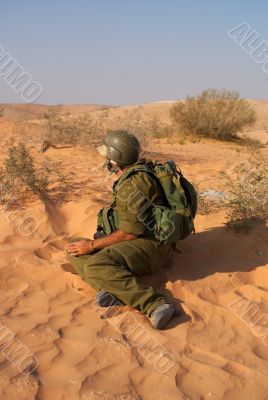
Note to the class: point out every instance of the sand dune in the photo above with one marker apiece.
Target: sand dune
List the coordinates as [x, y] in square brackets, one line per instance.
[218, 348]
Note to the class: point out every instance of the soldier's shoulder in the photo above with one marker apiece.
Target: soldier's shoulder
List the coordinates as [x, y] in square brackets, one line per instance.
[142, 177]
[139, 180]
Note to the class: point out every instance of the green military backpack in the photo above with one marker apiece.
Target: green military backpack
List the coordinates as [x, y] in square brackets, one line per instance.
[173, 222]
[176, 220]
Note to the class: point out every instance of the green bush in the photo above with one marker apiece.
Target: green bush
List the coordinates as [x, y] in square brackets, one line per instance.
[247, 185]
[19, 173]
[22, 177]
[217, 114]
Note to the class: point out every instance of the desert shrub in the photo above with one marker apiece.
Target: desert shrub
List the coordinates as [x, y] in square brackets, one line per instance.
[53, 111]
[204, 206]
[46, 115]
[53, 172]
[87, 128]
[217, 114]
[77, 129]
[247, 185]
[21, 174]
[2, 112]
[145, 127]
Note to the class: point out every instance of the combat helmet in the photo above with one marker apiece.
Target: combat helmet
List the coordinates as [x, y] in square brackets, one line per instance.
[121, 147]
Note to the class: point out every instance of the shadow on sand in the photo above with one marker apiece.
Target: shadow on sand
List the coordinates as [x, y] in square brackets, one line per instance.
[214, 251]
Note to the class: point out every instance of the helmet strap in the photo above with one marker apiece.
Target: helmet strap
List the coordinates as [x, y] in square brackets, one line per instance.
[111, 168]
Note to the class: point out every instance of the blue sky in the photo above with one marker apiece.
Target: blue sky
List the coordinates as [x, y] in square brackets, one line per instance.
[129, 52]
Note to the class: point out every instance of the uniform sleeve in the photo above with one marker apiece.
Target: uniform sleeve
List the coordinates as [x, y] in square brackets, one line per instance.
[133, 202]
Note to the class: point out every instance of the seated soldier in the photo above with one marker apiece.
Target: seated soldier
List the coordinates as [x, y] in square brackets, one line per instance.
[125, 247]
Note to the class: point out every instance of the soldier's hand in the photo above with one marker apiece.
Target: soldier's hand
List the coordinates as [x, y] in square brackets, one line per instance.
[80, 248]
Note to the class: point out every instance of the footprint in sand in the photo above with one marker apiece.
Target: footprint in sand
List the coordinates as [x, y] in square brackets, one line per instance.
[68, 268]
[261, 351]
[44, 253]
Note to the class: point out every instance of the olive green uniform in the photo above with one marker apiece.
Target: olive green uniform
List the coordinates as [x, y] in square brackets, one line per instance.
[116, 269]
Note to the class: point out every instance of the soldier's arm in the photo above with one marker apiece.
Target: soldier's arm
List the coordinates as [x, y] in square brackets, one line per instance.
[86, 246]
[117, 236]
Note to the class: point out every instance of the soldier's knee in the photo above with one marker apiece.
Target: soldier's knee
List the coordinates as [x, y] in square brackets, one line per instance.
[90, 268]
[94, 266]
[93, 275]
